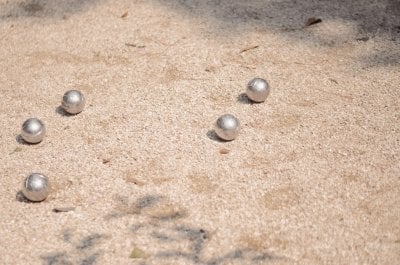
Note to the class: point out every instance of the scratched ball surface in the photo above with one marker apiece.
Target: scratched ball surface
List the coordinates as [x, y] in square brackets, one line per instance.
[227, 127]
[258, 90]
[36, 187]
[33, 131]
[73, 102]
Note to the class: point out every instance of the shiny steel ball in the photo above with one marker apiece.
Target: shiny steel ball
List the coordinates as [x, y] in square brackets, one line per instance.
[33, 131]
[36, 187]
[227, 127]
[73, 102]
[258, 90]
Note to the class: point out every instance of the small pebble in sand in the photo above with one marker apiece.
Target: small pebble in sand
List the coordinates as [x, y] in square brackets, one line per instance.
[227, 127]
[73, 102]
[36, 187]
[33, 131]
[224, 151]
[258, 90]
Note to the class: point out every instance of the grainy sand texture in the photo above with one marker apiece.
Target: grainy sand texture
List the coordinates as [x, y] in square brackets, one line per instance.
[140, 178]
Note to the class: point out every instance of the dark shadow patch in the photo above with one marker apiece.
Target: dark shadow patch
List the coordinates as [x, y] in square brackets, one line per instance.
[67, 235]
[20, 140]
[58, 9]
[212, 135]
[244, 99]
[191, 233]
[169, 214]
[31, 7]
[233, 255]
[162, 237]
[197, 237]
[59, 110]
[242, 255]
[136, 227]
[83, 254]
[89, 241]
[90, 260]
[382, 58]
[60, 258]
[21, 197]
[263, 257]
[114, 215]
[288, 17]
[124, 207]
[147, 201]
[232, 15]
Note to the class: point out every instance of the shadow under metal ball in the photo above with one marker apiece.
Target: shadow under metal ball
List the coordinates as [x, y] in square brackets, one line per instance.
[33, 131]
[36, 187]
[258, 90]
[227, 127]
[73, 102]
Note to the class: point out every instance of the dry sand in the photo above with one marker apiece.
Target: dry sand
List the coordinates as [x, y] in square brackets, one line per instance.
[313, 177]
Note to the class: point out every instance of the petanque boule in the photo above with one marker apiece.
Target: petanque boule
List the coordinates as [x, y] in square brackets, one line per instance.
[36, 187]
[258, 90]
[227, 127]
[33, 131]
[73, 102]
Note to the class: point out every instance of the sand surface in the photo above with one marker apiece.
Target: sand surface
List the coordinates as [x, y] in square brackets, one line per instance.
[313, 178]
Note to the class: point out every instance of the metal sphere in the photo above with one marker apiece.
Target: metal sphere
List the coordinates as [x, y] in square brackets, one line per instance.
[36, 187]
[227, 127]
[73, 102]
[33, 131]
[258, 90]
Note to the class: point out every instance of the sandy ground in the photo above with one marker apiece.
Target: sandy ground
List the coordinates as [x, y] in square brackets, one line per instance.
[313, 177]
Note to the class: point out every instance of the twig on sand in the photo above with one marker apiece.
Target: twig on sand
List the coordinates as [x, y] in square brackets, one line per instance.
[249, 48]
[63, 209]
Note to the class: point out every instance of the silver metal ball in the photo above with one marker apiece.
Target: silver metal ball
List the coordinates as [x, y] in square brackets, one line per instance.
[73, 102]
[33, 131]
[258, 90]
[36, 187]
[227, 127]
